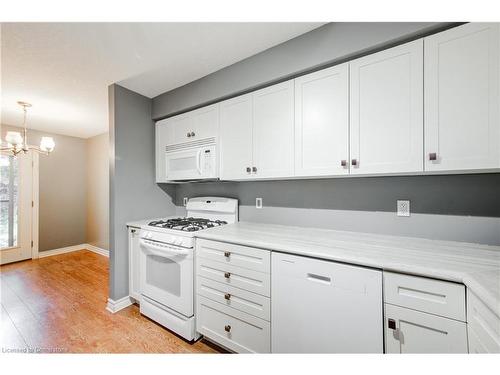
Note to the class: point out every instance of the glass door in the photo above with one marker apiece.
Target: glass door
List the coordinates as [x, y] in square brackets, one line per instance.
[16, 207]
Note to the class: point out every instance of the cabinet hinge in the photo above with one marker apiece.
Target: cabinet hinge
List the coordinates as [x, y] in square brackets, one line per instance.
[32, 204]
[31, 243]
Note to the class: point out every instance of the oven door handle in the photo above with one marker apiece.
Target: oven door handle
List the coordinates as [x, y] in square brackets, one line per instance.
[164, 252]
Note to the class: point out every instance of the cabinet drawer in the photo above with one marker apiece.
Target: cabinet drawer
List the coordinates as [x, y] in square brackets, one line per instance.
[231, 328]
[227, 274]
[236, 255]
[484, 322]
[239, 299]
[438, 297]
[418, 332]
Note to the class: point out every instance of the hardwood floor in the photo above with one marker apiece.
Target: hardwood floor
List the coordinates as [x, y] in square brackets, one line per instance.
[57, 304]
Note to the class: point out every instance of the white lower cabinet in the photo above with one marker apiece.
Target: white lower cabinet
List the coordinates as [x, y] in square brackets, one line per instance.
[233, 304]
[253, 300]
[133, 263]
[483, 326]
[424, 315]
[325, 307]
[411, 331]
[234, 329]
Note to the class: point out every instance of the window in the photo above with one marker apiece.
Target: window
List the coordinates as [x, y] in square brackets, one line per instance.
[9, 200]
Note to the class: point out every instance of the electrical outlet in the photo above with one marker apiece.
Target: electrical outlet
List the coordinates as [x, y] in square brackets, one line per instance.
[185, 201]
[258, 202]
[403, 208]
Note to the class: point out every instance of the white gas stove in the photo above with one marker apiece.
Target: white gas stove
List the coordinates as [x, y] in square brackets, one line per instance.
[167, 254]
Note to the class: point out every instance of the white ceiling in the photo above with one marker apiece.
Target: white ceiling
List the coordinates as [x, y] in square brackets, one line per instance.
[64, 69]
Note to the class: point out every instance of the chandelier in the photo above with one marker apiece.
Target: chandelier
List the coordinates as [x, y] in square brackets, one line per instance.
[16, 143]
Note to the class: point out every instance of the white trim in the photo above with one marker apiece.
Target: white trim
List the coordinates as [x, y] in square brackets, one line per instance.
[69, 249]
[115, 306]
[35, 193]
[97, 250]
[62, 250]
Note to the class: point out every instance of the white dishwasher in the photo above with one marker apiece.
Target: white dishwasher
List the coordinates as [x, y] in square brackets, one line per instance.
[320, 306]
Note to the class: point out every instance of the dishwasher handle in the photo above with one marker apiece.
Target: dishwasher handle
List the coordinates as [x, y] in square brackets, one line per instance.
[319, 278]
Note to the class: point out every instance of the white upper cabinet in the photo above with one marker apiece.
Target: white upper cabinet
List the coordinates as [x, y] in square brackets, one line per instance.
[205, 123]
[386, 111]
[322, 122]
[199, 124]
[236, 126]
[273, 131]
[462, 125]
[257, 134]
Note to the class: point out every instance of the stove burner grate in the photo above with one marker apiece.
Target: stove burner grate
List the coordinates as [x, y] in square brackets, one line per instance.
[187, 224]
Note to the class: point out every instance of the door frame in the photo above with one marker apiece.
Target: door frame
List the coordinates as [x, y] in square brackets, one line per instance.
[35, 208]
[34, 213]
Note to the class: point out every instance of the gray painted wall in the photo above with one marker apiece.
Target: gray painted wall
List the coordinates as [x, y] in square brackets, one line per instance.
[474, 194]
[330, 44]
[133, 193]
[62, 191]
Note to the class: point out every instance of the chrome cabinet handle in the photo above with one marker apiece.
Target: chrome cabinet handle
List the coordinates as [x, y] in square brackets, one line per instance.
[432, 156]
[254, 169]
[249, 170]
[227, 328]
[227, 296]
[227, 275]
[227, 254]
[354, 162]
[343, 163]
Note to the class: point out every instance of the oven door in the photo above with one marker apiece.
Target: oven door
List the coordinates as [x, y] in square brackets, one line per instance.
[166, 274]
[191, 164]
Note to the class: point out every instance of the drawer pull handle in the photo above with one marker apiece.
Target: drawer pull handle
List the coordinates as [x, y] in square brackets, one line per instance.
[391, 323]
[227, 328]
[227, 254]
[227, 296]
[227, 275]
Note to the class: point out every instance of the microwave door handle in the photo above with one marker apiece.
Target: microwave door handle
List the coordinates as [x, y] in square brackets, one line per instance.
[198, 163]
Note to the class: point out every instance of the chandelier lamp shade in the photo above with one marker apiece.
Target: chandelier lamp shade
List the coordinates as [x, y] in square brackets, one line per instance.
[17, 142]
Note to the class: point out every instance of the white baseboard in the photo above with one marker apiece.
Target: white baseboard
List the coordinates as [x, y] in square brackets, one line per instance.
[69, 249]
[115, 306]
[61, 250]
[97, 250]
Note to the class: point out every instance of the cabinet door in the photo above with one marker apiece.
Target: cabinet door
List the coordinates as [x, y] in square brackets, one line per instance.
[236, 138]
[205, 122]
[162, 130]
[322, 122]
[462, 124]
[177, 128]
[324, 307]
[418, 332]
[134, 253]
[386, 107]
[273, 131]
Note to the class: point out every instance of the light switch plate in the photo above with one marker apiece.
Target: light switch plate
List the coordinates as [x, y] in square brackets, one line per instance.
[403, 208]
[258, 202]
[185, 201]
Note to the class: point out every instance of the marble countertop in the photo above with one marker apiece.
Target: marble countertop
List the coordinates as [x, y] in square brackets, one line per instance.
[476, 266]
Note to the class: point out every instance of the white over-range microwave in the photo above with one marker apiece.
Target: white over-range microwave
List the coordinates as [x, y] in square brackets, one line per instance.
[191, 161]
